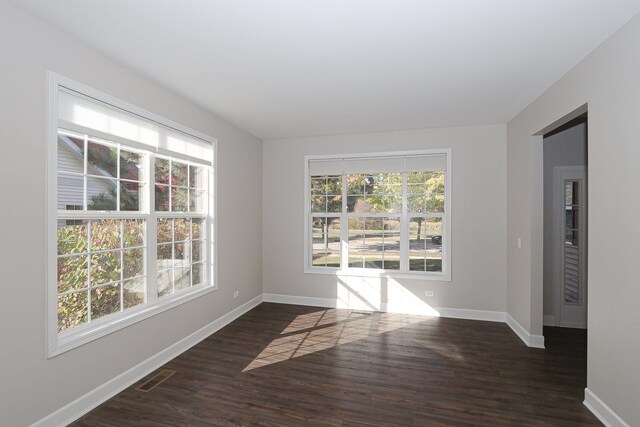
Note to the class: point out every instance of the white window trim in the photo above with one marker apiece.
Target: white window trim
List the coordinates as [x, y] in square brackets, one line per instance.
[444, 276]
[58, 343]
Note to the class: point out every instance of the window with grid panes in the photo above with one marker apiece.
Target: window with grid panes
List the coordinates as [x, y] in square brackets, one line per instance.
[133, 228]
[379, 212]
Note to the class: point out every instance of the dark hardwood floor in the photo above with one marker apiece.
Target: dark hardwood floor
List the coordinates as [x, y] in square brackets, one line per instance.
[283, 365]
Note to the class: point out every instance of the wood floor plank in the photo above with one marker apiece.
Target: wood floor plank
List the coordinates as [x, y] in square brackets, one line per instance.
[285, 365]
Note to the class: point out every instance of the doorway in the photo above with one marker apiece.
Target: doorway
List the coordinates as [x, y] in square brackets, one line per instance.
[565, 289]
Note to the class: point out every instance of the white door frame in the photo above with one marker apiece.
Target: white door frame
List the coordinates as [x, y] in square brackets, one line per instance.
[560, 173]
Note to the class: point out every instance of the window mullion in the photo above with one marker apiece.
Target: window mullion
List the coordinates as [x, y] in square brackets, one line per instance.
[151, 231]
[209, 229]
[118, 186]
[404, 228]
[344, 227]
[121, 259]
[85, 181]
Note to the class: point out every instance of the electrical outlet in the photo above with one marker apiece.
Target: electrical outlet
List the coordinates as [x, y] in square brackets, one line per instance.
[519, 243]
[428, 293]
[235, 294]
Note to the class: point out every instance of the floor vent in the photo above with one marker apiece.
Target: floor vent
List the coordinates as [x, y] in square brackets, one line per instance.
[368, 313]
[155, 381]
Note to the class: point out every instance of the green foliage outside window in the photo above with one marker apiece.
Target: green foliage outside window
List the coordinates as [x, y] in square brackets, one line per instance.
[112, 257]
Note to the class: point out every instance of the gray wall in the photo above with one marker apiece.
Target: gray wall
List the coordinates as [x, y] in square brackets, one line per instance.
[566, 148]
[478, 219]
[32, 386]
[607, 80]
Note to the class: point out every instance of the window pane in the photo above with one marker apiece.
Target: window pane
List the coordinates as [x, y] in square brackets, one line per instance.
[416, 182]
[386, 203]
[134, 291]
[165, 230]
[378, 183]
[425, 192]
[389, 184]
[102, 160]
[70, 192]
[357, 204]
[162, 197]
[72, 310]
[165, 256]
[318, 186]
[72, 238]
[178, 173]
[197, 229]
[131, 166]
[425, 244]
[132, 263]
[326, 242]
[181, 230]
[196, 200]
[334, 204]
[435, 203]
[196, 176]
[568, 193]
[334, 185]
[105, 234]
[181, 254]
[416, 203]
[105, 300]
[355, 184]
[357, 249]
[435, 191]
[318, 203]
[182, 277]
[70, 154]
[196, 274]
[130, 195]
[102, 194]
[165, 282]
[162, 170]
[105, 267]
[391, 243]
[133, 232]
[72, 273]
[373, 242]
[374, 204]
[197, 251]
[179, 199]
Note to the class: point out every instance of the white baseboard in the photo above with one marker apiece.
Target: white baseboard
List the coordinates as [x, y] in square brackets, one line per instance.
[602, 411]
[463, 313]
[549, 320]
[74, 410]
[572, 325]
[294, 300]
[534, 341]
[457, 313]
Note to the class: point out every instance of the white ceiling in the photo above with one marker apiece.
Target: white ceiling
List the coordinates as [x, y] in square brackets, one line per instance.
[283, 68]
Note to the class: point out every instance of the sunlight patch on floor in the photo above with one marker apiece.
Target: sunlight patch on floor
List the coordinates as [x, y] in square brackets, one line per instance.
[325, 329]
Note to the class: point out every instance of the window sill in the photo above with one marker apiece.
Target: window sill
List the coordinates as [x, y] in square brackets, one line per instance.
[362, 272]
[67, 340]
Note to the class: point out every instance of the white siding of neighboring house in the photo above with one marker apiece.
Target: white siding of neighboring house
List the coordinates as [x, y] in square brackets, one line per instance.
[70, 187]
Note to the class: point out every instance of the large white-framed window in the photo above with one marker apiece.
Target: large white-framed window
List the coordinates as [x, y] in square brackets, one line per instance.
[379, 213]
[130, 214]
